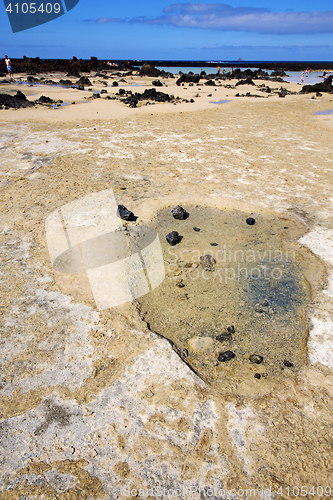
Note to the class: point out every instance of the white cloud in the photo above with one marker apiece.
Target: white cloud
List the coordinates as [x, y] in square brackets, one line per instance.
[224, 17]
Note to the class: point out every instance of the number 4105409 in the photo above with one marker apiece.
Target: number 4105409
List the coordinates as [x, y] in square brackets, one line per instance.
[32, 8]
[303, 491]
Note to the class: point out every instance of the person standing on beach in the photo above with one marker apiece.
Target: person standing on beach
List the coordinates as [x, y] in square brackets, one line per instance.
[218, 70]
[9, 67]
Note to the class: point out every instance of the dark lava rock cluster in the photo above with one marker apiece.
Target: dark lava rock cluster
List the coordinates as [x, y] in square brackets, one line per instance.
[16, 101]
[148, 95]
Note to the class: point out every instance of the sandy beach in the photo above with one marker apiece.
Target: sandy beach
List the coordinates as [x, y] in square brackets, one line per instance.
[94, 403]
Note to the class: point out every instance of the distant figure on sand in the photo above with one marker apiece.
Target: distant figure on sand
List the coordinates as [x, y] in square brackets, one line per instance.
[231, 70]
[223, 70]
[9, 67]
[218, 70]
[302, 78]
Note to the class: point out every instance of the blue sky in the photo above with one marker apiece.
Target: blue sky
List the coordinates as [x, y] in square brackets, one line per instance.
[159, 29]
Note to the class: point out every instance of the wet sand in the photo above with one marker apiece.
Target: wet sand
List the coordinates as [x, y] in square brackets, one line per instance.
[94, 405]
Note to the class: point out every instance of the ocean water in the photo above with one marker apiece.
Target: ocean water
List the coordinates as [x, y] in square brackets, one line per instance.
[293, 76]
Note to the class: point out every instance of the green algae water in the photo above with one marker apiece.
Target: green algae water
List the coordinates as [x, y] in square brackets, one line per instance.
[234, 299]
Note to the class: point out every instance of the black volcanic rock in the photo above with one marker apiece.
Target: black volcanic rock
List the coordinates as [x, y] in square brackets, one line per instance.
[74, 72]
[210, 82]
[173, 238]
[325, 86]
[148, 70]
[178, 212]
[188, 79]
[278, 72]
[124, 214]
[248, 81]
[157, 83]
[147, 95]
[45, 100]
[84, 80]
[226, 356]
[16, 101]
[65, 82]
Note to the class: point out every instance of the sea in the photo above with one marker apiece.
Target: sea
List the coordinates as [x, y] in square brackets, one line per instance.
[293, 76]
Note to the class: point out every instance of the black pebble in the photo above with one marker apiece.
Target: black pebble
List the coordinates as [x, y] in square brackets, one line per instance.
[124, 214]
[178, 212]
[231, 329]
[255, 358]
[213, 244]
[180, 284]
[288, 364]
[196, 229]
[250, 221]
[224, 336]
[226, 356]
[257, 375]
[173, 238]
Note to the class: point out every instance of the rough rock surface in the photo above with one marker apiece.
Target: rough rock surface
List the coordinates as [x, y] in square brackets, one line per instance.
[325, 86]
[18, 100]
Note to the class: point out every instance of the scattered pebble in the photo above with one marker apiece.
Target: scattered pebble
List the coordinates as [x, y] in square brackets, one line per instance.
[224, 337]
[208, 262]
[196, 229]
[257, 375]
[173, 238]
[255, 358]
[288, 364]
[231, 329]
[214, 244]
[250, 221]
[123, 213]
[178, 212]
[180, 284]
[226, 356]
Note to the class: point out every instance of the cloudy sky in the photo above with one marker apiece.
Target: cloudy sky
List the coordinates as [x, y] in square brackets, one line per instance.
[254, 30]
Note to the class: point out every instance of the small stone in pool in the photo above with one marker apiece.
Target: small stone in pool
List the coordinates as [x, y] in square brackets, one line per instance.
[208, 262]
[226, 356]
[196, 229]
[250, 221]
[255, 358]
[178, 212]
[173, 238]
[224, 337]
[231, 329]
[123, 213]
[257, 375]
[287, 364]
